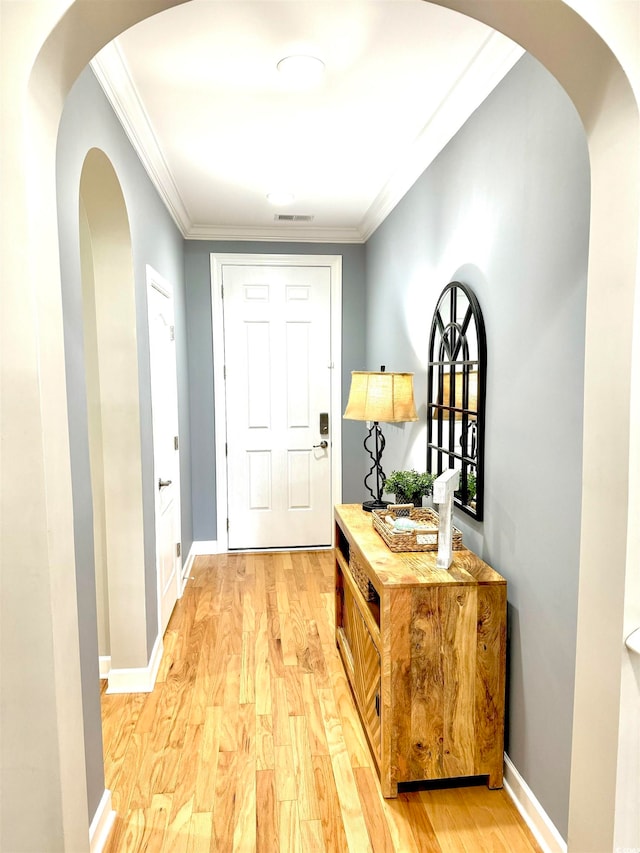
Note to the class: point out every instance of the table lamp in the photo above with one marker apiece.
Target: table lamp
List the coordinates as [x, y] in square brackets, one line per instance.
[379, 396]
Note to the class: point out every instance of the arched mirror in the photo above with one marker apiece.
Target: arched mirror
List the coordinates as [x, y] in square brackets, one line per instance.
[456, 394]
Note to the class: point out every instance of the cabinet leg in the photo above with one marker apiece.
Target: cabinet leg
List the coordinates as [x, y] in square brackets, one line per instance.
[495, 779]
[389, 789]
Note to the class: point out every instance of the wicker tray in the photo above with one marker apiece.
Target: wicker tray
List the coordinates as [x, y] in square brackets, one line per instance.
[425, 538]
[365, 586]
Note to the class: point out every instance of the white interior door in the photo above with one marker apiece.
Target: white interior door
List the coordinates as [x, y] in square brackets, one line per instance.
[278, 391]
[164, 401]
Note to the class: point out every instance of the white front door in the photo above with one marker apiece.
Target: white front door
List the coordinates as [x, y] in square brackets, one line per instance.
[277, 339]
[164, 402]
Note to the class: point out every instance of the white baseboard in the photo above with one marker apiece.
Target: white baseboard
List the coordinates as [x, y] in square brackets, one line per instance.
[101, 824]
[104, 663]
[137, 679]
[188, 565]
[534, 815]
[205, 547]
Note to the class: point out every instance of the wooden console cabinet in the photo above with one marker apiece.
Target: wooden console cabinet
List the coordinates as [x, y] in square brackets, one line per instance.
[425, 657]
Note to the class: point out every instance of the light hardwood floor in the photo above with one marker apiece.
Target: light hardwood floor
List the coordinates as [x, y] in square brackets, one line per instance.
[251, 741]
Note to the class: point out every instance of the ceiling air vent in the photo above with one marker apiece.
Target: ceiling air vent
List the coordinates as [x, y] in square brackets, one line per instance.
[293, 217]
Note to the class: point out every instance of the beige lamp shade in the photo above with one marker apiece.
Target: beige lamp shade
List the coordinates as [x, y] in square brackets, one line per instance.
[381, 396]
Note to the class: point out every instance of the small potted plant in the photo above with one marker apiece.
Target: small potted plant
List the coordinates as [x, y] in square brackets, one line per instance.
[409, 487]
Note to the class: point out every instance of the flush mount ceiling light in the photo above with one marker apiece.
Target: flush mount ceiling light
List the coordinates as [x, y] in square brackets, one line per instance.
[301, 69]
[280, 199]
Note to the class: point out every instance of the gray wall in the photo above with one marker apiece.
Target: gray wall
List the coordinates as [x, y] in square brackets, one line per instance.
[504, 208]
[198, 278]
[88, 122]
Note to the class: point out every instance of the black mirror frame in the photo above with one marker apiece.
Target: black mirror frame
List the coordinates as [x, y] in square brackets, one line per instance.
[453, 338]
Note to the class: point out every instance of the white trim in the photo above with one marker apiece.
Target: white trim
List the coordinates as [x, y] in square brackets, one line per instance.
[140, 679]
[101, 824]
[277, 233]
[534, 815]
[104, 664]
[633, 641]
[218, 259]
[186, 570]
[206, 547]
[491, 63]
[113, 75]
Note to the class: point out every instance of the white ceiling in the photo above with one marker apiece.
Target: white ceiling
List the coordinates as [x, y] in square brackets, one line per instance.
[218, 127]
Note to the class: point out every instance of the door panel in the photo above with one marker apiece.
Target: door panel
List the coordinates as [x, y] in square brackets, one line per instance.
[366, 667]
[164, 404]
[278, 381]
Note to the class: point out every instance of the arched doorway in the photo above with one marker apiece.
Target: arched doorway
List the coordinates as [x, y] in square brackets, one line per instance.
[113, 418]
[592, 76]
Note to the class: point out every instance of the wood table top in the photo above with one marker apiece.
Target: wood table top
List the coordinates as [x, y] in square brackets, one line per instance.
[409, 568]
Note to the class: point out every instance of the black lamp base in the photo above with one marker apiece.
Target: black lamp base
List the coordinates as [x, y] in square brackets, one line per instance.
[368, 506]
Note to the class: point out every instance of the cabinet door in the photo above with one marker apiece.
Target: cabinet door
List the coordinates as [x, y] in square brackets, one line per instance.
[366, 665]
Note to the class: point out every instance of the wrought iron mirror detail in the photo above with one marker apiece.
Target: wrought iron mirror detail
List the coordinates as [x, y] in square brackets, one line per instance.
[456, 394]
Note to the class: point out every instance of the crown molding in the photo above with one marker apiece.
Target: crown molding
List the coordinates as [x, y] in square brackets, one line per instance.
[112, 73]
[492, 62]
[286, 234]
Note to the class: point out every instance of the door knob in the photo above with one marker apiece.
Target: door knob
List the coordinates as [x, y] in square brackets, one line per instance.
[323, 445]
[162, 483]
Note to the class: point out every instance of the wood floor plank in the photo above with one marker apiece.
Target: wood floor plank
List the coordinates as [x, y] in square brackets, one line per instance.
[355, 827]
[325, 617]
[293, 688]
[308, 808]
[352, 731]
[289, 827]
[265, 757]
[200, 832]
[262, 689]
[465, 821]
[399, 826]
[146, 830]
[329, 805]
[284, 770]
[426, 838]
[249, 742]
[311, 838]
[207, 765]
[120, 714]
[178, 826]
[315, 727]
[244, 833]
[188, 767]
[316, 655]
[225, 802]
[266, 812]
[374, 816]
[204, 677]
[288, 636]
[281, 731]
[248, 608]
[248, 669]
[276, 657]
[232, 686]
[494, 811]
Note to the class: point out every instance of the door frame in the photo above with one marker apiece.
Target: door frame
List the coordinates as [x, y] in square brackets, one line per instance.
[156, 282]
[218, 260]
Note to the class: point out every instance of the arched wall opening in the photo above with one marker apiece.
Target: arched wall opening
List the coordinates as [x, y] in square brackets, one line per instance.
[113, 416]
[583, 63]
